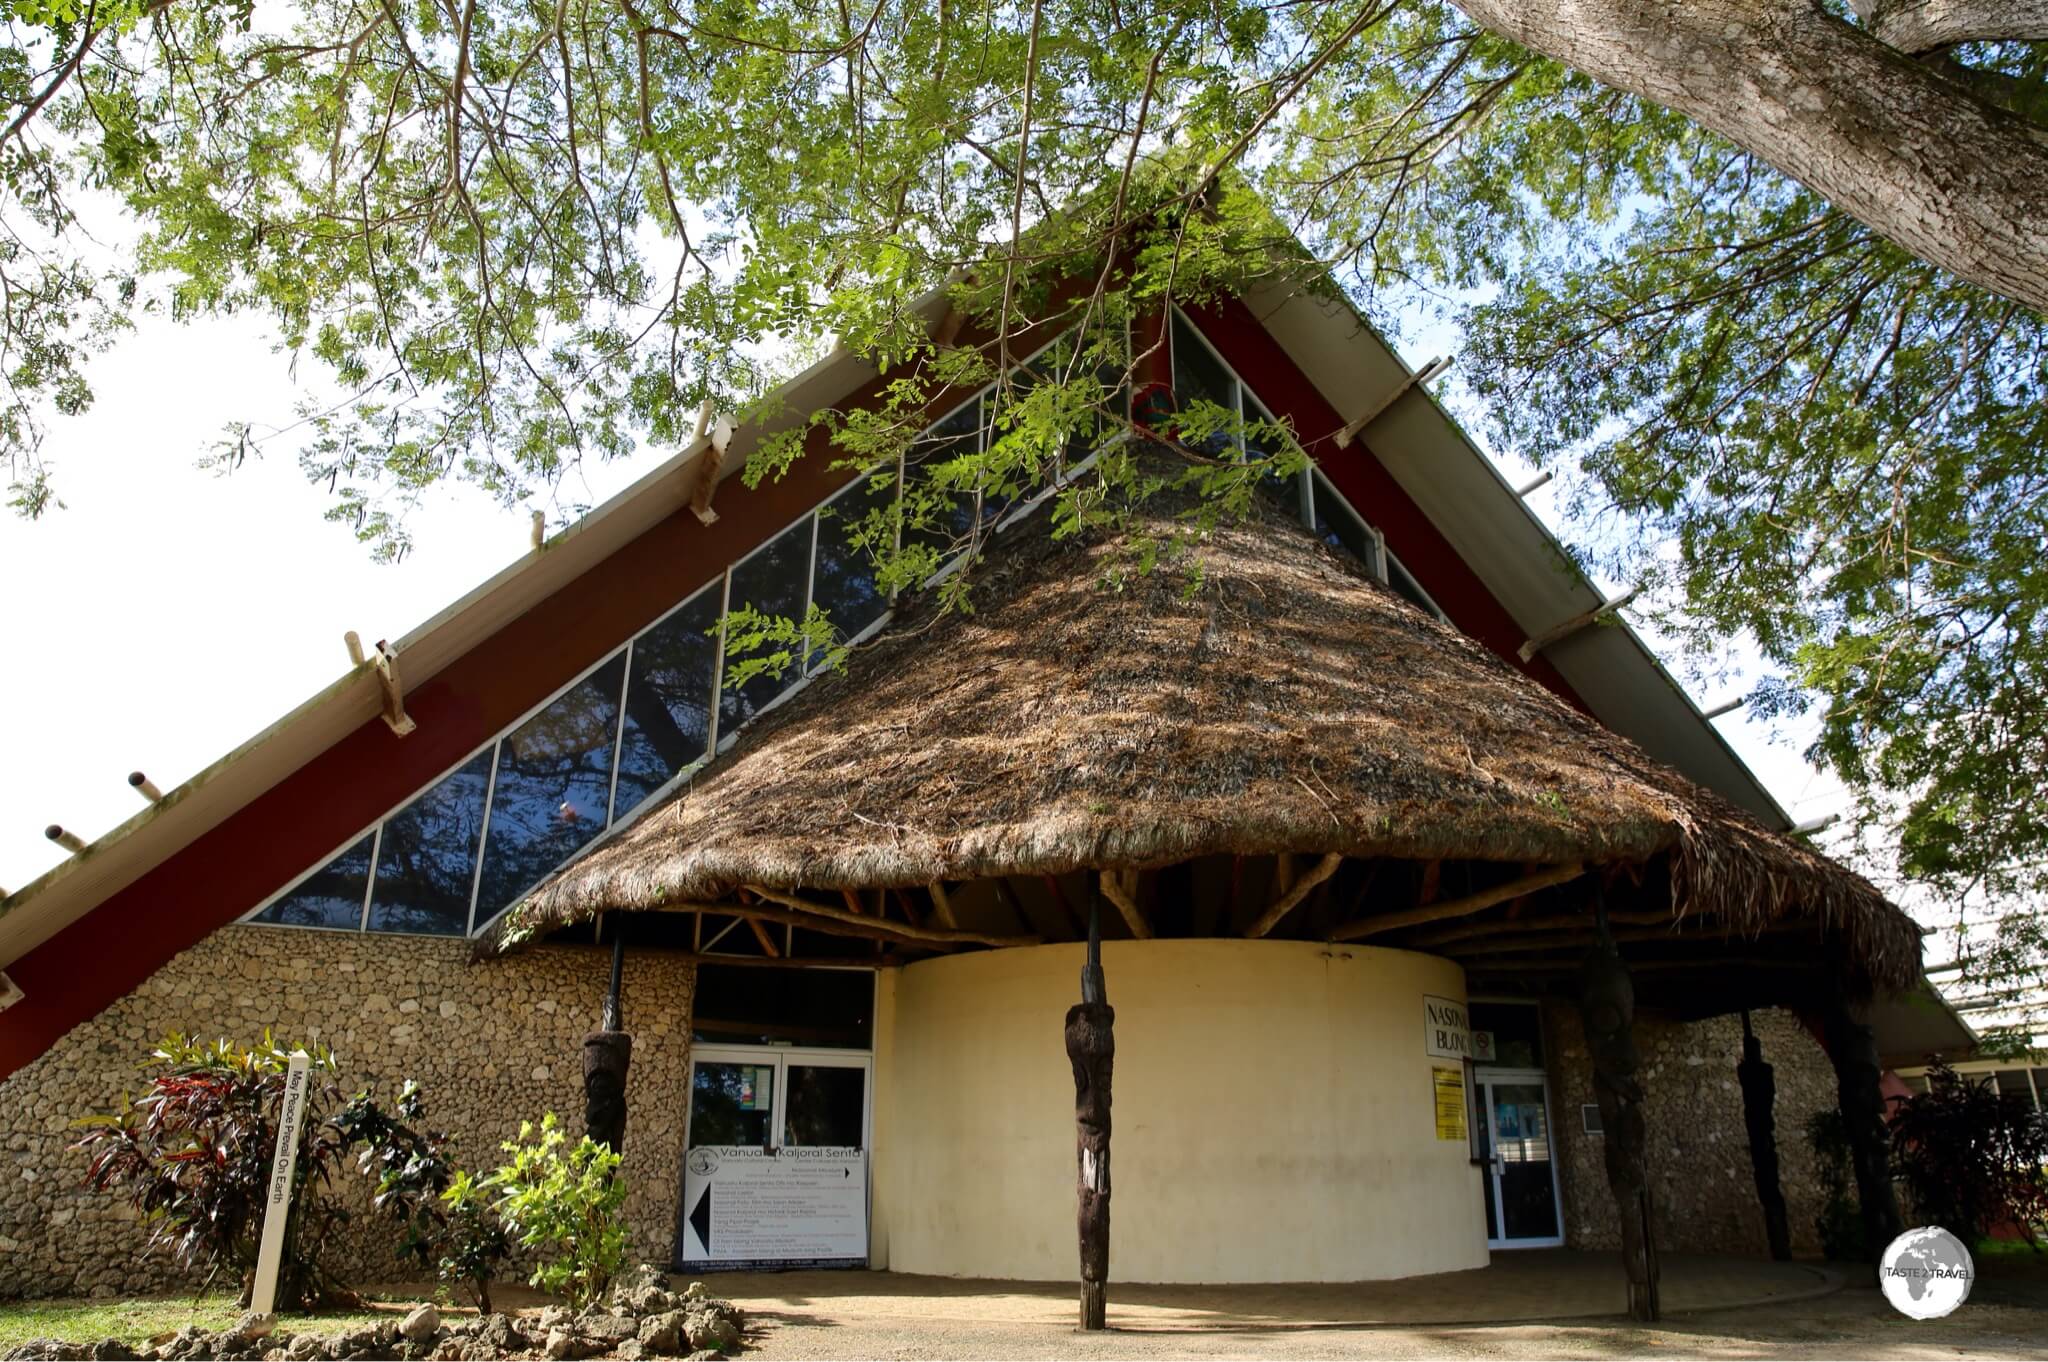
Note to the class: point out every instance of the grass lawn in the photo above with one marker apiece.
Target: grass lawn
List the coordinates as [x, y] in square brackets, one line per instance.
[141, 1318]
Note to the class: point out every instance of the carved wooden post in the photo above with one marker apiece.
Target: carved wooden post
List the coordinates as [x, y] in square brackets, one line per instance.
[1607, 1004]
[1091, 1046]
[1759, 1094]
[606, 1053]
[1852, 1049]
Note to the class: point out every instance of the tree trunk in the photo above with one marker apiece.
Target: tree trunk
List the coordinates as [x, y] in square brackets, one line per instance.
[1852, 1049]
[1607, 1005]
[1918, 159]
[1759, 1095]
[1091, 1045]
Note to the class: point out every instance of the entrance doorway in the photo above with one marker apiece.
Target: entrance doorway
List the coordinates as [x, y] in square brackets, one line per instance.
[776, 1168]
[1521, 1164]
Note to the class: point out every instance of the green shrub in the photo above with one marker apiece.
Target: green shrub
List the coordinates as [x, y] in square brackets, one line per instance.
[1840, 1223]
[1971, 1156]
[448, 1228]
[563, 1200]
[193, 1155]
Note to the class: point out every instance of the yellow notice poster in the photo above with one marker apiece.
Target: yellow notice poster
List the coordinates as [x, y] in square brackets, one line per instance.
[1450, 1102]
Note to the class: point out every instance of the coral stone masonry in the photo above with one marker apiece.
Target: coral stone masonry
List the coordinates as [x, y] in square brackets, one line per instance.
[490, 1044]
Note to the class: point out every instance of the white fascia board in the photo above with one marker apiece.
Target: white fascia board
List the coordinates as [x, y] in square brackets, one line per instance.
[1510, 550]
[116, 859]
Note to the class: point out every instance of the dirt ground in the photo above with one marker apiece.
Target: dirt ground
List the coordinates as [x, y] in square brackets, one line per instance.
[2006, 1317]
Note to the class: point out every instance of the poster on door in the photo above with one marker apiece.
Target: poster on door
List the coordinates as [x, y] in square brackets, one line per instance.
[746, 1206]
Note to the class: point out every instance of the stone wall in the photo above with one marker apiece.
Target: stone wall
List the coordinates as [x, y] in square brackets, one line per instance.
[491, 1045]
[1705, 1193]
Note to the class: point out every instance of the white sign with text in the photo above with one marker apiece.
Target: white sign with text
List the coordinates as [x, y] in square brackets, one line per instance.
[1445, 1032]
[277, 1198]
[800, 1203]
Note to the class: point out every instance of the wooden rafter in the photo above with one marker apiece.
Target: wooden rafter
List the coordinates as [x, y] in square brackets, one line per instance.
[1464, 907]
[1464, 931]
[385, 661]
[1584, 620]
[813, 914]
[709, 465]
[768, 947]
[1379, 409]
[910, 913]
[1295, 893]
[794, 961]
[942, 906]
[1579, 940]
[1076, 920]
[1120, 887]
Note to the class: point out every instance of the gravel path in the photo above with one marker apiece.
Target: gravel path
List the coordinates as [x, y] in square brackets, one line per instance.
[1854, 1322]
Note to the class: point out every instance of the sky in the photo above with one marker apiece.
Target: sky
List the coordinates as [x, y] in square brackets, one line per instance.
[168, 613]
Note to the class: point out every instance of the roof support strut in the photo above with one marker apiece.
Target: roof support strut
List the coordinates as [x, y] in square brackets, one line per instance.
[1464, 907]
[1120, 887]
[1414, 380]
[709, 464]
[1585, 620]
[1295, 893]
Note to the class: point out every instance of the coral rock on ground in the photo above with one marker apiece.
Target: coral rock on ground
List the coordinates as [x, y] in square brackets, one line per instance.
[639, 1317]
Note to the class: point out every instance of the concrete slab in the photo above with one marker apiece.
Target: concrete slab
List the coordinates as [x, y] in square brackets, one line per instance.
[1518, 1287]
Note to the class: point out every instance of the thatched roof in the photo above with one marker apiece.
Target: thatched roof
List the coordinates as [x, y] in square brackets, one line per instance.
[1290, 704]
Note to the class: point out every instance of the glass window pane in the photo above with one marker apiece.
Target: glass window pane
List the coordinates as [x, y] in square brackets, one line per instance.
[1399, 578]
[1283, 488]
[668, 699]
[765, 1005]
[2013, 1083]
[773, 582]
[844, 585]
[732, 1104]
[1517, 1032]
[1199, 377]
[826, 1105]
[1341, 527]
[553, 788]
[939, 517]
[331, 896]
[427, 860]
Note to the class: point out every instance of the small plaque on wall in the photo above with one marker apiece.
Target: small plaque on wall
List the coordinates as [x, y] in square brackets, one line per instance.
[1448, 1089]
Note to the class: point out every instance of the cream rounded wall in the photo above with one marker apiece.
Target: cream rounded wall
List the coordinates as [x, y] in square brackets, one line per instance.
[1273, 1116]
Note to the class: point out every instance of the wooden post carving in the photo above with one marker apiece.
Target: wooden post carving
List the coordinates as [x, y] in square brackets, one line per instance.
[1852, 1049]
[1607, 1005]
[1091, 1046]
[1759, 1094]
[607, 1052]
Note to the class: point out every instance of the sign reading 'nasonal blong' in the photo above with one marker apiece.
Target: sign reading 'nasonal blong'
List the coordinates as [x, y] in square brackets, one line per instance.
[1445, 1032]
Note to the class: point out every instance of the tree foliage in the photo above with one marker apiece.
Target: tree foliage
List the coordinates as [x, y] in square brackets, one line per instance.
[1974, 1159]
[193, 1154]
[515, 234]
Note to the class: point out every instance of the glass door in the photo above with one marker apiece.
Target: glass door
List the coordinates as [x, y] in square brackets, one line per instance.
[775, 1169]
[1521, 1168]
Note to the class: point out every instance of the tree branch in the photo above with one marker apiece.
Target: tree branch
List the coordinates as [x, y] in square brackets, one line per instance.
[1916, 26]
[1920, 160]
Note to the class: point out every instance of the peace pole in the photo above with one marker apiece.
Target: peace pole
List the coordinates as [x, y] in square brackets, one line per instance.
[277, 1203]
